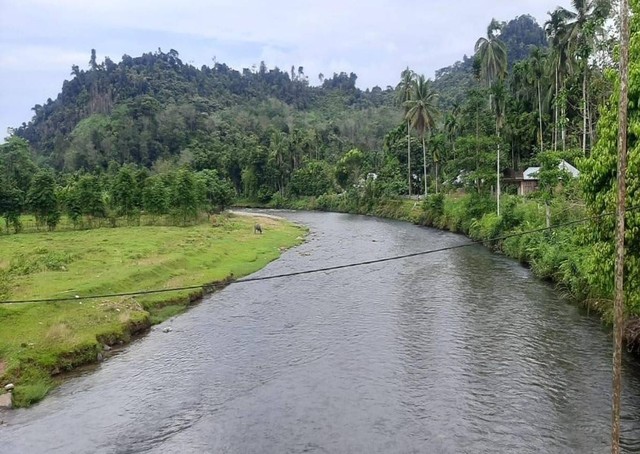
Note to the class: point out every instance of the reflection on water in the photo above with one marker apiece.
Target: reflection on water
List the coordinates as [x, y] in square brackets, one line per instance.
[456, 352]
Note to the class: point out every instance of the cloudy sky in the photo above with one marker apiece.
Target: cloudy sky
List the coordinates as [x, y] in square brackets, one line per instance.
[376, 39]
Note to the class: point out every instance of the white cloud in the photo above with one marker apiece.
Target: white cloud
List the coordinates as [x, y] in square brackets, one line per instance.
[39, 58]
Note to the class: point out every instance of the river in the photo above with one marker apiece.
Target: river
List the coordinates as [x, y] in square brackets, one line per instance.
[461, 351]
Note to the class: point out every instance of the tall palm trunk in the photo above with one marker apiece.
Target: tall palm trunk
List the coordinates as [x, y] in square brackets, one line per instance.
[409, 154]
[498, 174]
[477, 149]
[540, 117]
[590, 120]
[555, 113]
[424, 163]
[584, 111]
[563, 115]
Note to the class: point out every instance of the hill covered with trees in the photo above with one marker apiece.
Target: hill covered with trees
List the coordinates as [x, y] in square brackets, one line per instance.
[268, 132]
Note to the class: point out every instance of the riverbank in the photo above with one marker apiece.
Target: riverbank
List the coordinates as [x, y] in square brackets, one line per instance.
[559, 255]
[41, 340]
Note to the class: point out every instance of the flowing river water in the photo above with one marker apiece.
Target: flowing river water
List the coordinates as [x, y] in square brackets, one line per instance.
[461, 351]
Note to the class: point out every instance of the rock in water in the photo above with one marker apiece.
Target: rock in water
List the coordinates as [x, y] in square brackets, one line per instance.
[5, 401]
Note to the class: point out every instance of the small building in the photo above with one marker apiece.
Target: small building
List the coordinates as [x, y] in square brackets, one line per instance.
[528, 181]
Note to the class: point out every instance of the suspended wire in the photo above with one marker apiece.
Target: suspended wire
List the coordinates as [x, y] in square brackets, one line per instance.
[207, 288]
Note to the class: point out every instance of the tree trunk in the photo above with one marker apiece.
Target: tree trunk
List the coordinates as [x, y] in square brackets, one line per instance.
[540, 117]
[584, 110]
[477, 150]
[547, 214]
[409, 154]
[424, 162]
[555, 113]
[498, 176]
[589, 118]
[618, 304]
[563, 114]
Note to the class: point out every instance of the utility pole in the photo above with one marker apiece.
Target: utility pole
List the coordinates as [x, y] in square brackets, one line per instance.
[618, 304]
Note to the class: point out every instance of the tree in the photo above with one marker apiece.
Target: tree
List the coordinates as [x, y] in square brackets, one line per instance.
[155, 196]
[16, 163]
[87, 193]
[184, 196]
[315, 179]
[405, 89]
[600, 178]
[279, 152]
[217, 191]
[618, 305]
[581, 27]
[42, 199]
[123, 192]
[537, 65]
[11, 205]
[421, 113]
[557, 32]
[492, 54]
[452, 126]
[349, 168]
[499, 99]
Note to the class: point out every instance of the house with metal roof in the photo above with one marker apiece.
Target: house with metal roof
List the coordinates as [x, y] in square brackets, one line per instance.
[528, 181]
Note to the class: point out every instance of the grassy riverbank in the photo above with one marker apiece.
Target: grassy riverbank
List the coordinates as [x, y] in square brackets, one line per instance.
[40, 340]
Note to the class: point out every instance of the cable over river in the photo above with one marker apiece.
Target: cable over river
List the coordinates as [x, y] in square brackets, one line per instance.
[456, 352]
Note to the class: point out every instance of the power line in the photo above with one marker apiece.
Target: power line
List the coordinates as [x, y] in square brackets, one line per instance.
[217, 285]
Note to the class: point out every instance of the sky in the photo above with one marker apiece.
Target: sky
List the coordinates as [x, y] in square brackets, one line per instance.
[376, 39]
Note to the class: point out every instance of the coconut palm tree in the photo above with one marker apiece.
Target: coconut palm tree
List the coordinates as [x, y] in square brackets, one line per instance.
[279, 152]
[421, 113]
[499, 99]
[560, 65]
[619, 298]
[452, 126]
[492, 54]
[537, 62]
[581, 27]
[405, 89]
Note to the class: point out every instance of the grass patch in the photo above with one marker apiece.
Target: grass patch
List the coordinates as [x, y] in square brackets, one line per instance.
[40, 340]
[162, 313]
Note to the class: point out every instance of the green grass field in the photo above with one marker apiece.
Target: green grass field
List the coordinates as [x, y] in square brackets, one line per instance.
[40, 340]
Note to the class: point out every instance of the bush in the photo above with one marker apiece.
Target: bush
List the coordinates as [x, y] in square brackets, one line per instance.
[278, 201]
[433, 207]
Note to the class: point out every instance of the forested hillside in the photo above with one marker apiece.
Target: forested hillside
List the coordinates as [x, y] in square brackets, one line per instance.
[155, 107]
[268, 132]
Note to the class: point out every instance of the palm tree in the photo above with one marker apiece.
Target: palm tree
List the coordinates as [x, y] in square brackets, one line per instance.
[537, 63]
[560, 64]
[492, 54]
[421, 112]
[438, 147]
[499, 101]
[619, 299]
[452, 126]
[279, 152]
[405, 89]
[581, 27]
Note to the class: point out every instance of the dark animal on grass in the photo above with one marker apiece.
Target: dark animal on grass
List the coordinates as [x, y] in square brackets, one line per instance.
[257, 229]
